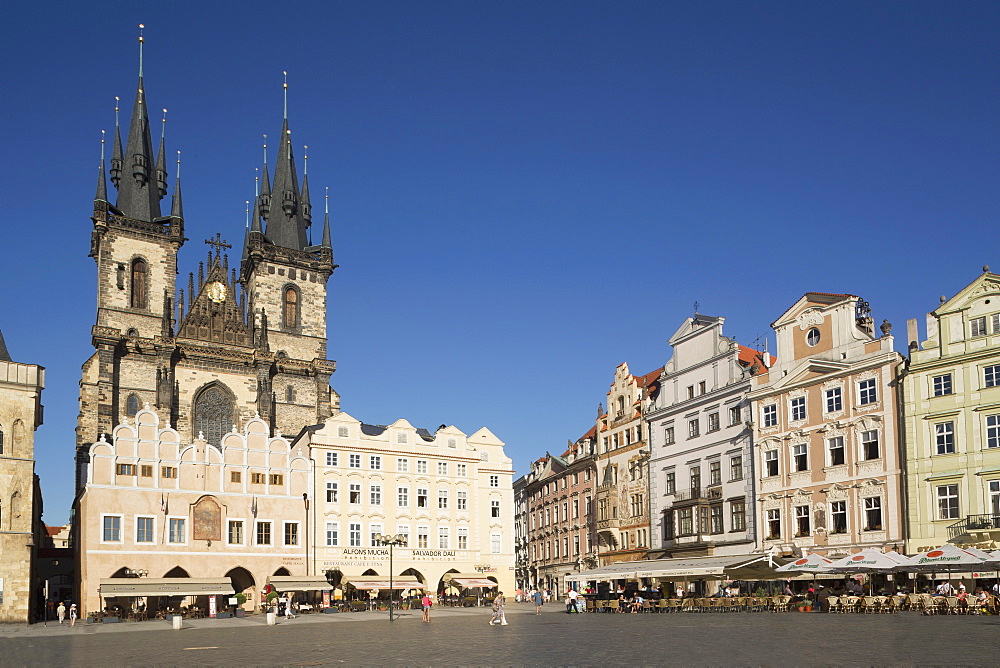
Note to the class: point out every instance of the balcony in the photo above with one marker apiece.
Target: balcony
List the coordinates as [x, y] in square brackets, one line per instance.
[611, 523]
[695, 495]
[987, 522]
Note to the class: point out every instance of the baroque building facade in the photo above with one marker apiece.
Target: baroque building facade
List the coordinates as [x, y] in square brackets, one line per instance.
[827, 455]
[559, 497]
[21, 530]
[622, 490]
[950, 391]
[701, 478]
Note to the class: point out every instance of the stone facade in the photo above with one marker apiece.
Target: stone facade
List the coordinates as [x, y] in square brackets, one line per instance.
[951, 400]
[450, 495]
[622, 492]
[20, 498]
[701, 479]
[559, 494]
[827, 456]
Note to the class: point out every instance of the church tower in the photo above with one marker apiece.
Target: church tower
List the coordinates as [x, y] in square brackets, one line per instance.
[231, 344]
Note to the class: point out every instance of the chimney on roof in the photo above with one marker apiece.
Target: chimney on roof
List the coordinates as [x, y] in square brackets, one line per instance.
[912, 334]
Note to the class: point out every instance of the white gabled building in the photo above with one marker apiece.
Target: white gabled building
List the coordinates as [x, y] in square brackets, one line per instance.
[449, 495]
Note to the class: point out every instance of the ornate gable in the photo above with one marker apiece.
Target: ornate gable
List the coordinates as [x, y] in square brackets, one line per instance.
[214, 316]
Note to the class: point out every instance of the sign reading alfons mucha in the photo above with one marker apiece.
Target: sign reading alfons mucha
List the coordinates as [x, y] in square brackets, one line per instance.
[375, 557]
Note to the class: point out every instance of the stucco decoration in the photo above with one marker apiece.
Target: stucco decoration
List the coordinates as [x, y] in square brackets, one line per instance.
[836, 493]
[809, 318]
[207, 519]
[986, 286]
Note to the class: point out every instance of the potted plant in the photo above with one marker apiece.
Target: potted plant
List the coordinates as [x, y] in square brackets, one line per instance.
[805, 605]
[241, 598]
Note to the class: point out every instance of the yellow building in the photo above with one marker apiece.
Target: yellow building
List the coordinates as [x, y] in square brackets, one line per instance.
[825, 432]
[951, 401]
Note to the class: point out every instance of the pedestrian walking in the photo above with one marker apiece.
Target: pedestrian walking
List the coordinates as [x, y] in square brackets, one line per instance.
[72, 614]
[61, 612]
[426, 602]
[498, 613]
[539, 601]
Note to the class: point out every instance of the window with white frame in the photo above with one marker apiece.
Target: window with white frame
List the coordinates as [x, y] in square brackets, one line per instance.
[494, 481]
[234, 534]
[770, 463]
[403, 531]
[835, 447]
[332, 534]
[869, 444]
[263, 533]
[977, 326]
[867, 392]
[668, 435]
[402, 465]
[991, 375]
[798, 405]
[714, 474]
[375, 495]
[423, 535]
[873, 513]
[374, 529]
[177, 530]
[354, 534]
[355, 492]
[422, 497]
[462, 500]
[802, 521]
[738, 515]
[693, 428]
[444, 535]
[403, 497]
[834, 400]
[669, 482]
[800, 457]
[736, 468]
[993, 431]
[494, 508]
[941, 385]
[291, 533]
[995, 319]
[343, 431]
[462, 470]
[947, 502]
[331, 459]
[994, 500]
[838, 517]
[735, 416]
[376, 462]
[495, 543]
[331, 492]
[769, 415]
[944, 438]
[144, 532]
[442, 499]
[463, 538]
[713, 422]
[354, 461]
[421, 466]
[773, 524]
[442, 468]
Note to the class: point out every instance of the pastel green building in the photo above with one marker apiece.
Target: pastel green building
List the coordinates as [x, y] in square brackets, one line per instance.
[951, 406]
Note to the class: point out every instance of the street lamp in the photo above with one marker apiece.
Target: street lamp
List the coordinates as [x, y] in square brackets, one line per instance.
[390, 542]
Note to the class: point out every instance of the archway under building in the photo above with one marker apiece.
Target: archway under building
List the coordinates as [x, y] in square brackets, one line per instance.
[244, 583]
[281, 571]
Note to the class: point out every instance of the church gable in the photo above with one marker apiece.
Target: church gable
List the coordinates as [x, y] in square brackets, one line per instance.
[214, 315]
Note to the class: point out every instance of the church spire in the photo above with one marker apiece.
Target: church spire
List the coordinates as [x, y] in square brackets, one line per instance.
[286, 226]
[326, 223]
[116, 153]
[102, 183]
[161, 159]
[306, 206]
[177, 207]
[137, 198]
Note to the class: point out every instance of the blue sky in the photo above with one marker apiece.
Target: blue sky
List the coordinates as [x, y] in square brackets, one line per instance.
[523, 194]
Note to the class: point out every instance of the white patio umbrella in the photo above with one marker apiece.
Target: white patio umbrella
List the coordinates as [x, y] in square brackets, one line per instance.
[945, 558]
[869, 561]
[811, 563]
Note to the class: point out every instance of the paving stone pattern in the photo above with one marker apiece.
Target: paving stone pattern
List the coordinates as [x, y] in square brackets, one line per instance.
[463, 637]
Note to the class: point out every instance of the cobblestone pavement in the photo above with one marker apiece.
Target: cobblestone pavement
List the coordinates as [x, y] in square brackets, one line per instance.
[462, 637]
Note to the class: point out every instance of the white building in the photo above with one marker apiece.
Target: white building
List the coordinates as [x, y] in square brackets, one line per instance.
[450, 496]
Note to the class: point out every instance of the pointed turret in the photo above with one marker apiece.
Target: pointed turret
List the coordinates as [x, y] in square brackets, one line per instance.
[116, 152]
[264, 198]
[306, 206]
[161, 160]
[138, 196]
[177, 207]
[325, 243]
[285, 226]
[4, 355]
[102, 182]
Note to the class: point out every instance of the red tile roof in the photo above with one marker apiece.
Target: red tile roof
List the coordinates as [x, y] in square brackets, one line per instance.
[748, 356]
[52, 531]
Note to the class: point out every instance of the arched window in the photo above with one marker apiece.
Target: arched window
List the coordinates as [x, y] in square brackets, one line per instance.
[291, 310]
[138, 283]
[290, 394]
[213, 413]
[132, 404]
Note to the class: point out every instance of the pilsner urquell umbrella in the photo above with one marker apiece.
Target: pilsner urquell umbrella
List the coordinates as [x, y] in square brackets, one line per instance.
[945, 558]
[869, 561]
[811, 563]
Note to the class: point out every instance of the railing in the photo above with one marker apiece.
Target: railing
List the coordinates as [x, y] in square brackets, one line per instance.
[698, 493]
[612, 523]
[983, 522]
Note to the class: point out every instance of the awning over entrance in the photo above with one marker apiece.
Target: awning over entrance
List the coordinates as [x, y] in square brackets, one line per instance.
[623, 570]
[371, 582]
[164, 586]
[733, 567]
[469, 583]
[299, 582]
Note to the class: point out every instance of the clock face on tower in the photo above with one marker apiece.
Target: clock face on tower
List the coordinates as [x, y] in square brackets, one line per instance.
[216, 291]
